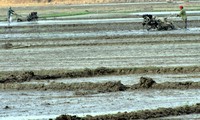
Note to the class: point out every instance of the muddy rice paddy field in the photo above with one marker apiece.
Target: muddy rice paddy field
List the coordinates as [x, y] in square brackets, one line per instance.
[87, 67]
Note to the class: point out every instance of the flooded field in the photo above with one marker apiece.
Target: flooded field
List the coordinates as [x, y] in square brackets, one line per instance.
[108, 49]
[50, 104]
[95, 67]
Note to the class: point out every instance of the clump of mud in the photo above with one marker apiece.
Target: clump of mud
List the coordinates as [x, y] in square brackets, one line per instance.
[99, 87]
[146, 82]
[142, 114]
[7, 46]
[149, 83]
[26, 76]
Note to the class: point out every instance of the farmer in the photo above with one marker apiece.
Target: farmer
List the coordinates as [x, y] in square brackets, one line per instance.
[10, 13]
[183, 15]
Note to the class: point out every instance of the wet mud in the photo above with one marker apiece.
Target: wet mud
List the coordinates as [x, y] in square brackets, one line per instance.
[11, 77]
[79, 87]
[143, 114]
[16, 81]
[60, 45]
[149, 83]
[82, 27]
[84, 88]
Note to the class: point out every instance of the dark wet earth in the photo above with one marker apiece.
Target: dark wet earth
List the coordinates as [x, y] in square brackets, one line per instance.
[114, 43]
[65, 47]
[50, 104]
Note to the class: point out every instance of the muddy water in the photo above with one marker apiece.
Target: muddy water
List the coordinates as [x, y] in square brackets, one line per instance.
[40, 50]
[79, 57]
[36, 103]
[86, 34]
[110, 47]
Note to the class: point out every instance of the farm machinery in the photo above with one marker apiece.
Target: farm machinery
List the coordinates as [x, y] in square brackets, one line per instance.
[31, 17]
[158, 23]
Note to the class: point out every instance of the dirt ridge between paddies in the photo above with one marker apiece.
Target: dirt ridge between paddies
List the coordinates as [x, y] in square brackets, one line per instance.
[85, 88]
[23, 76]
[142, 114]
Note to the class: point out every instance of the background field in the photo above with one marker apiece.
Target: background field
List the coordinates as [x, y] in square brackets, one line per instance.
[79, 1]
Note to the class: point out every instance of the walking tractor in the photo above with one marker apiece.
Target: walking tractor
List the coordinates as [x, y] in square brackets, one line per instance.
[31, 17]
[157, 23]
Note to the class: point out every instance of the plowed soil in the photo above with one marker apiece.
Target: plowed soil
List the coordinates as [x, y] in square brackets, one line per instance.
[96, 65]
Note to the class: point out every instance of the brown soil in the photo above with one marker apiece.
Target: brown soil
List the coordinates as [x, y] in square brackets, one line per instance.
[14, 81]
[149, 83]
[30, 75]
[78, 87]
[88, 87]
[144, 114]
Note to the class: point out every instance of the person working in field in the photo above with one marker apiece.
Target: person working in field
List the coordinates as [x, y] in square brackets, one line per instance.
[183, 15]
[10, 13]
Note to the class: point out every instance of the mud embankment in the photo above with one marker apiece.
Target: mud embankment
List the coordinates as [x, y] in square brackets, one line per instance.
[149, 83]
[93, 88]
[16, 81]
[143, 114]
[80, 88]
[11, 77]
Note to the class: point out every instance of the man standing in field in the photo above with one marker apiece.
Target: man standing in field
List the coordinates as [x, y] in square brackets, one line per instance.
[10, 13]
[183, 15]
